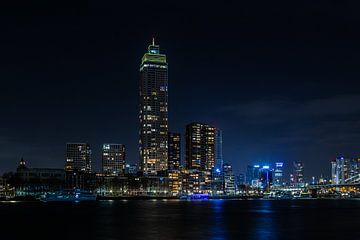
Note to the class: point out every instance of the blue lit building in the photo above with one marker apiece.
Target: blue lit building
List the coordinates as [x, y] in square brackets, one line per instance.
[252, 175]
[217, 183]
[265, 177]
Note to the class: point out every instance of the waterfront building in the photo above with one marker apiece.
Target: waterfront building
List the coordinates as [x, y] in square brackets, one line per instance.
[174, 151]
[219, 161]
[229, 180]
[200, 146]
[78, 157]
[292, 180]
[345, 170]
[240, 179]
[3, 188]
[279, 174]
[113, 159]
[131, 169]
[265, 178]
[195, 181]
[175, 182]
[80, 180]
[111, 185]
[153, 112]
[299, 174]
[252, 175]
[36, 181]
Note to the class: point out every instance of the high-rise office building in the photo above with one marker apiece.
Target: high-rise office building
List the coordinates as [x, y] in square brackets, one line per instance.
[278, 174]
[78, 157]
[131, 169]
[200, 146]
[219, 161]
[174, 151]
[252, 175]
[299, 174]
[240, 179]
[265, 177]
[345, 170]
[113, 159]
[229, 180]
[153, 112]
[217, 183]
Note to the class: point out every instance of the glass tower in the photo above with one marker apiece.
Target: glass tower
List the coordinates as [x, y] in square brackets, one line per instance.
[174, 151]
[153, 112]
[113, 159]
[200, 146]
[78, 157]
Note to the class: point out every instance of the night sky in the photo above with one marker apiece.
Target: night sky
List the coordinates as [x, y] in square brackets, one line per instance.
[280, 79]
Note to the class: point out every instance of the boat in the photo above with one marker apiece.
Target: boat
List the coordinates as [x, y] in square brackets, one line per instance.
[195, 196]
[69, 195]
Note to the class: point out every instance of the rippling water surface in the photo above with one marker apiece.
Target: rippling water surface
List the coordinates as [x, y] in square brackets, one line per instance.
[172, 219]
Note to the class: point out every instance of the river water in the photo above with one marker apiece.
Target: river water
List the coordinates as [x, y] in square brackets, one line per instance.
[175, 219]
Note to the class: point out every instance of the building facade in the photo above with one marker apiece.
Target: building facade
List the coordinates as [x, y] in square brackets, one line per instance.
[174, 151]
[113, 159]
[78, 157]
[299, 174]
[279, 174]
[265, 178]
[153, 112]
[36, 181]
[345, 170]
[200, 146]
[229, 180]
[219, 161]
[252, 175]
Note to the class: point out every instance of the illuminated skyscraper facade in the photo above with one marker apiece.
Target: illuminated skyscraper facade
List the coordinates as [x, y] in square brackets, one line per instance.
[200, 146]
[229, 180]
[219, 161]
[252, 175]
[153, 112]
[278, 174]
[78, 157]
[345, 170]
[174, 151]
[113, 159]
[299, 174]
[265, 178]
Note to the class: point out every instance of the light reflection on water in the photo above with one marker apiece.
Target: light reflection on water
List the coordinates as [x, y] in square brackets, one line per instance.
[218, 228]
[265, 228]
[174, 219]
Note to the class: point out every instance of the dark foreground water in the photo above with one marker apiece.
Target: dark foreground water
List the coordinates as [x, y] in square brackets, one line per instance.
[217, 219]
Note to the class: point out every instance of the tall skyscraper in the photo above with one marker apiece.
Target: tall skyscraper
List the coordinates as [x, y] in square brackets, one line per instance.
[219, 161]
[174, 151]
[299, 174]
[113, 159]
[265, 178]
[78, 157]
[200, 146]
[229, 180]
[278, 174]
[345, 170]
[153, 112]
[252, 175]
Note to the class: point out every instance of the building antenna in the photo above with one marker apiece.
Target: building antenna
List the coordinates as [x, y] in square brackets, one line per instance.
[153, 41]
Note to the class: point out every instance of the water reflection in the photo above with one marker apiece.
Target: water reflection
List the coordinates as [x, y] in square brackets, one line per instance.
[264, 227]
[218, 225]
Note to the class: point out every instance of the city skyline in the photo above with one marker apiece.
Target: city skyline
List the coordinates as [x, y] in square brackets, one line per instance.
[272, 101]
